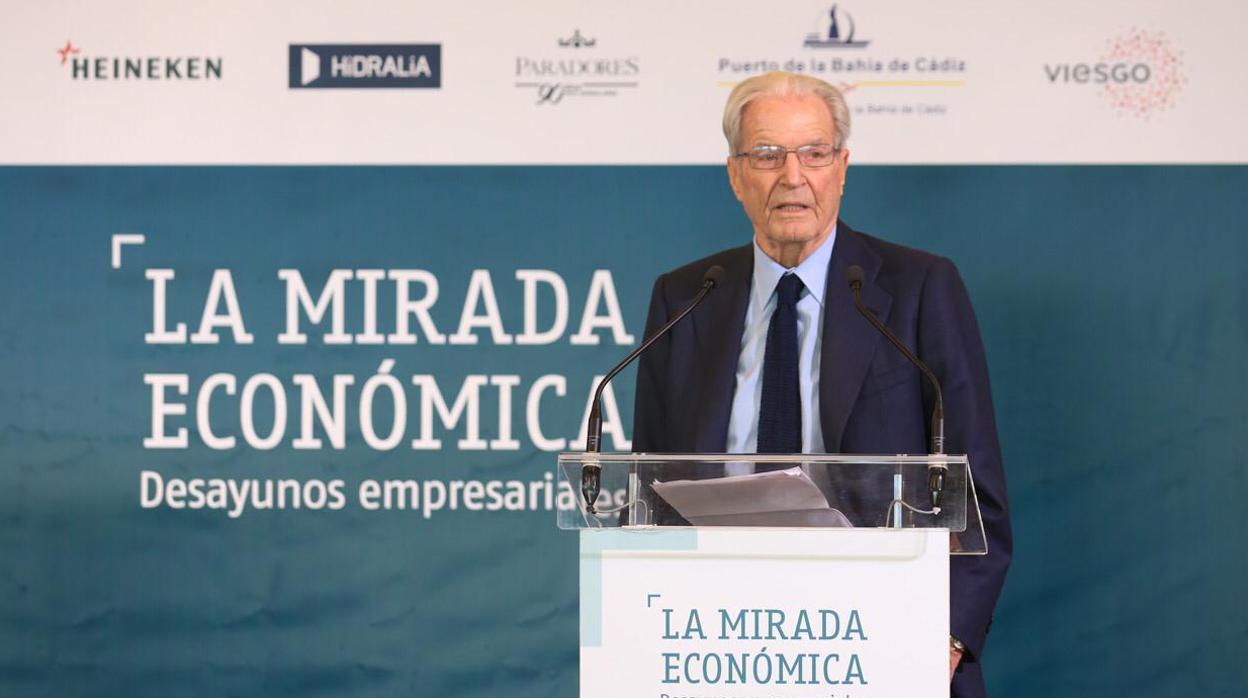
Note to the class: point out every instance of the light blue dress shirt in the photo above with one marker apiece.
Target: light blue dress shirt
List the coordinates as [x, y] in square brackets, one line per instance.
[743, 424]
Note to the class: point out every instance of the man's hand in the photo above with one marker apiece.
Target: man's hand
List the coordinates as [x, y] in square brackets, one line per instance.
[955, 656]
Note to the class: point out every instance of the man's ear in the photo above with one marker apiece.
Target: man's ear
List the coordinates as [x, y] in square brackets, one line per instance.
[845, 171]
[732, 177]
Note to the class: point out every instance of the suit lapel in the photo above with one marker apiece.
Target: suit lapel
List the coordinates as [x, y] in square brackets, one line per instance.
[718, 325]
[849, 341]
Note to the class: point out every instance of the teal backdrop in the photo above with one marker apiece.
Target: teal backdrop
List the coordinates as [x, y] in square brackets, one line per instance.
[1113, 303]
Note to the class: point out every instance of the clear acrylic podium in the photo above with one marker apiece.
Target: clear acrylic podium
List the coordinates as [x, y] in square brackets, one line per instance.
[871, 491]
[847, 594]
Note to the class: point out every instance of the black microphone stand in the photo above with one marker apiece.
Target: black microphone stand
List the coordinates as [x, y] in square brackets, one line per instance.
[935, 472]
[591, 470]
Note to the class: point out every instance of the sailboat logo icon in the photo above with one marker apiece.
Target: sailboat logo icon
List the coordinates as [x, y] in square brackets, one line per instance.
[837, 31]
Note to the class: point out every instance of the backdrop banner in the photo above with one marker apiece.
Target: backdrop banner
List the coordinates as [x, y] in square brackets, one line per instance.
[301, 300]
[562, 82]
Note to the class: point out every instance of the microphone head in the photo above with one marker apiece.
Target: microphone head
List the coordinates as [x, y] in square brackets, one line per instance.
[714, 276]
[854, 275]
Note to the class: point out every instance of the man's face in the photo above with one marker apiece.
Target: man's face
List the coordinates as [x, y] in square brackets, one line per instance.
[792, 208]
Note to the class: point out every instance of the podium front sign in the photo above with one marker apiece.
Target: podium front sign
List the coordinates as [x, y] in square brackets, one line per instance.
[764, 612]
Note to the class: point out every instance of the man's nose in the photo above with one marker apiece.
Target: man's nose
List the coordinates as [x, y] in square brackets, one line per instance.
[792, 171]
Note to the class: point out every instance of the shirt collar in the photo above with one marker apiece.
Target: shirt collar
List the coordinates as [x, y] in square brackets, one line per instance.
[813, 271]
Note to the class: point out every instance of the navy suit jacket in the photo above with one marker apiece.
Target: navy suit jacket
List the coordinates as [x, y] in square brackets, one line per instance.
[872, 400]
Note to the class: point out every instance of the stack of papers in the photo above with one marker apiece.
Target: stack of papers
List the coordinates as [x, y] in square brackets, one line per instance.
[778, 498]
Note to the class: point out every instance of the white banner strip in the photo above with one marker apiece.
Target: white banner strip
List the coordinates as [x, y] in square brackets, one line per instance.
[549, 82]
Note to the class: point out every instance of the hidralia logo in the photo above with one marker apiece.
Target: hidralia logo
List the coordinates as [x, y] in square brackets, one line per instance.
[836, 30]
[1139, 73]
[134, 68]
[366, 65]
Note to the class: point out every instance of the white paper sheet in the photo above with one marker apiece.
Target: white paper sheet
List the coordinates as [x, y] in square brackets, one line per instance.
[777, 498]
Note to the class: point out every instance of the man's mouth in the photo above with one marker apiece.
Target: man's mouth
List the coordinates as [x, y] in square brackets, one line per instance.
[791, 208]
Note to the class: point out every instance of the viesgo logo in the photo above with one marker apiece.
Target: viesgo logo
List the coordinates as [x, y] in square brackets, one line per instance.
[1139, 73]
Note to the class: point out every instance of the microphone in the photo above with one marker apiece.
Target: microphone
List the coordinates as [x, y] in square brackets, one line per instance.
[591, 471]
[935, 473]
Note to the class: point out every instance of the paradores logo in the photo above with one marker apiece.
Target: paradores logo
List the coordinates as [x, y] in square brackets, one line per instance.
[1139, 73]
[579, 69]
[365, 65]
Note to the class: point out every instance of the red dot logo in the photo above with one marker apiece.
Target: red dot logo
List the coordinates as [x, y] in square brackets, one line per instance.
[1147, 73]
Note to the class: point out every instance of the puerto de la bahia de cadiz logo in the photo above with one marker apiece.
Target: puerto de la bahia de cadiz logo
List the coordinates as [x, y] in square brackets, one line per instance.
[83, 66]
[578, 67]
[1138, 73]
[888, 79]
[836, 30]
[319, 66]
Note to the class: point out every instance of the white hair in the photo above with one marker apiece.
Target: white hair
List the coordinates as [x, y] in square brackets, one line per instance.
[781, 84]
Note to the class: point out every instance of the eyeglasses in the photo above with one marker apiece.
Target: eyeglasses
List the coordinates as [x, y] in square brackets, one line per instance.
[772, 157]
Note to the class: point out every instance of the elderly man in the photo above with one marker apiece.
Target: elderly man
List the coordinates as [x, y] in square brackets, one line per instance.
[778, 360]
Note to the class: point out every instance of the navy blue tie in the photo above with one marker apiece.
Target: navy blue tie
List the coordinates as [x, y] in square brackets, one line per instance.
[780, 408]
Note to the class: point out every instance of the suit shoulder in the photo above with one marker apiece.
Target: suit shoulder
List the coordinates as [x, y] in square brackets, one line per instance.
[691, 274]
[901, 257]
